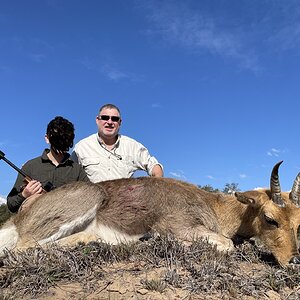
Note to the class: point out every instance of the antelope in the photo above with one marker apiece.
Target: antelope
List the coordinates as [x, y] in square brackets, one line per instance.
[124, 210]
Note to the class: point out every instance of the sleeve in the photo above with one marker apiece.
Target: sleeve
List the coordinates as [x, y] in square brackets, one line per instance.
[145, 160]
[15, 198]
[74, 156]
[82, 175]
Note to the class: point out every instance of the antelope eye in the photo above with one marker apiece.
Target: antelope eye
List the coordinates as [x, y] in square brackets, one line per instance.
[271, 221]
[298, 233]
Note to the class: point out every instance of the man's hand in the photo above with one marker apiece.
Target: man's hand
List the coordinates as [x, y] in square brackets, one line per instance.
[33, 187]
[157, 171]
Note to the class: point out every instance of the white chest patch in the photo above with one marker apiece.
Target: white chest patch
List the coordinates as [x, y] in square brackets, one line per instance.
[110, 235]
[8, 238]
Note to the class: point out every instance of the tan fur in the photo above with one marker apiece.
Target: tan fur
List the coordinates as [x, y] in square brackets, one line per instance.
[126, 209]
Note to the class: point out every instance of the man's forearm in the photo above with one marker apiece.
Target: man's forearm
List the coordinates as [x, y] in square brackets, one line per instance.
[14, 202]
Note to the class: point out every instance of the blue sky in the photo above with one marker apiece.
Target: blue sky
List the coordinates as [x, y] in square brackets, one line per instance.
[211, 87]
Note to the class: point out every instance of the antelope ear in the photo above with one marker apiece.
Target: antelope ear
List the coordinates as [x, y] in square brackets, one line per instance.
[243, 198]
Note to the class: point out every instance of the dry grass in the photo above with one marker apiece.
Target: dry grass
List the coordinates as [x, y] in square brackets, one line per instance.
[198, 270]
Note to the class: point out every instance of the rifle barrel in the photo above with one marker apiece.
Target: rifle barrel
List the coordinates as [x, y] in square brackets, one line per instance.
[13, 165]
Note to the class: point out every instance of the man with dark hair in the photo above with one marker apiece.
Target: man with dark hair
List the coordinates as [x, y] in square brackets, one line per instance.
[60, 133]
[54, 167]
[109, 155]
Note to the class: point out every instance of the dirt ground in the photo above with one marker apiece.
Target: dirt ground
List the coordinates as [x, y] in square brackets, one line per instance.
[125, 282]
[161, 269]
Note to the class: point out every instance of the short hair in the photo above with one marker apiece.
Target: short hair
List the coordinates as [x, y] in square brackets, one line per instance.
[110, 106]
[61, 134]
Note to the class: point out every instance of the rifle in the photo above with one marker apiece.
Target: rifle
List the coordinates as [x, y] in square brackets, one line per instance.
[46, 188]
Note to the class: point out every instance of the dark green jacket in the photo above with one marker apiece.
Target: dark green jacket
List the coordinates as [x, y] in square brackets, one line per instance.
[42, 169]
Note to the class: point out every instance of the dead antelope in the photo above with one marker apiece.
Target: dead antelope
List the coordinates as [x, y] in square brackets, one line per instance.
[126, 209]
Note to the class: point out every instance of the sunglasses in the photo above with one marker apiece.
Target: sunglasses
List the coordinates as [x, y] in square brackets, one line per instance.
[106, 118]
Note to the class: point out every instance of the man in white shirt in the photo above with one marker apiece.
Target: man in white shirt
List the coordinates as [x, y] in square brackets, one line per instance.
[109, 155]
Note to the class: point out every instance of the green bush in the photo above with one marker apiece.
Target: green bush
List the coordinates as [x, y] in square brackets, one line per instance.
[5, 214]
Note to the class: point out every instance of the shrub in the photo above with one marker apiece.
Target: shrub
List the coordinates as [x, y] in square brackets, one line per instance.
[5, 214]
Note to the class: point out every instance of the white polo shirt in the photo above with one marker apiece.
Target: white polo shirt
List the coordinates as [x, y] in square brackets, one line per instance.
[122, 161]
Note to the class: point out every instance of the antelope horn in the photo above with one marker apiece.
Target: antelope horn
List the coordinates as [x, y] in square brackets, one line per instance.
[275, 186]
[295, 192]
